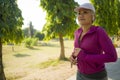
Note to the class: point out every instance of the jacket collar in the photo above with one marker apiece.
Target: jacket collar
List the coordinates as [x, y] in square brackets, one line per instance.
[91, 30]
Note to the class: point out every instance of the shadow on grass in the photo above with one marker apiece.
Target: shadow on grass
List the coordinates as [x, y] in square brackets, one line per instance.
[64, 59]
[21, 55]
[33, 48]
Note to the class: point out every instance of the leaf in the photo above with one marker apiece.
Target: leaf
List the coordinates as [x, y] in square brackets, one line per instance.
[11, 21]
[60, 17]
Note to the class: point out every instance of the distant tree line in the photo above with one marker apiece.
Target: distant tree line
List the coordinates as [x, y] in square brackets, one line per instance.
[30, 32]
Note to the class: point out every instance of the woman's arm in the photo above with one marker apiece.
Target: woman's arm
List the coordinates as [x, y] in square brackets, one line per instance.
[109, 54]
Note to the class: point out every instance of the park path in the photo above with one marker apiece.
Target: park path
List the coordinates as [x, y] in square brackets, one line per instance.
[113, 69]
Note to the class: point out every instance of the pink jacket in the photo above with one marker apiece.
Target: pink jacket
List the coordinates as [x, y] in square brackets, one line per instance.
[97, 49]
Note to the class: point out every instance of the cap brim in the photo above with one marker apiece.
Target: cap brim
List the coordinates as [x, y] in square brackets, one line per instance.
[77, 9]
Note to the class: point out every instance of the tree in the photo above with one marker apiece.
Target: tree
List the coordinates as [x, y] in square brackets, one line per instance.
[26, 32]
[31, 30]
[61, 20]
[107, 15]
[39, 35]
[10, 27]
[118, 17]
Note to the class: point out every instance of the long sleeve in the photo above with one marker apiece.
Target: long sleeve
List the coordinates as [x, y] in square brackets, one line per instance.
[109, 53]
[76, 44]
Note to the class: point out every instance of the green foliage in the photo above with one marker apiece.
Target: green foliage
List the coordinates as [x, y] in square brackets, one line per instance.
[39, 35]
[29, 42]
[34, 41]
[31, 30]
[10, 21]
[60, 17]
[27, 32]
[107, 15]
[118, 13]
[10, 26]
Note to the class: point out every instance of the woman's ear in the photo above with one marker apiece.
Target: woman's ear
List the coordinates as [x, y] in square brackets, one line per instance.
[93, 19]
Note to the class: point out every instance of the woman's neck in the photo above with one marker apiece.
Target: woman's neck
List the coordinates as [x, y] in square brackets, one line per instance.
[85, 28]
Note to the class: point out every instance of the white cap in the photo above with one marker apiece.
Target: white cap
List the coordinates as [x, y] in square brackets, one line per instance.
[85, 6]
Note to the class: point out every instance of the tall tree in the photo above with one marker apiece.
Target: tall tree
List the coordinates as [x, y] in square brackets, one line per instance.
[107, 15]
[61, 20]
[31, 30]
[10, 26]
[118, 17]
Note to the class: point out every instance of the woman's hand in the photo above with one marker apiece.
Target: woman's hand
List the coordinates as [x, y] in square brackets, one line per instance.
[76, 51]
[73, 60]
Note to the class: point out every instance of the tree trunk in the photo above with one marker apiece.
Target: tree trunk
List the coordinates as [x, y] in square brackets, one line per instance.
[62, 52]
[2, 75]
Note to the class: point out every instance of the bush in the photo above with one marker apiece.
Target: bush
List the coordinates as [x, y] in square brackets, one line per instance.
[29, 42]
[39, 35]
[34, 41]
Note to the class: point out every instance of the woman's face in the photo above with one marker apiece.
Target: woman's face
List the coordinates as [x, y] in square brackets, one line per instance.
[85, 17]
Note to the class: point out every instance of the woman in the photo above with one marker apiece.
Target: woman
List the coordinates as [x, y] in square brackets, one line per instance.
[92, 46]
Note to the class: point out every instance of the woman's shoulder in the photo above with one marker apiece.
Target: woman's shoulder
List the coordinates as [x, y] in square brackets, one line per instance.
[99, 28]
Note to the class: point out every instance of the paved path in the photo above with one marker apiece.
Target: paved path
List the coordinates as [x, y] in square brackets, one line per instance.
[113, 69]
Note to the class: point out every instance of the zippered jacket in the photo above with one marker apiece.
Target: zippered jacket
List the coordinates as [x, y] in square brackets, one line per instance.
[96, 49]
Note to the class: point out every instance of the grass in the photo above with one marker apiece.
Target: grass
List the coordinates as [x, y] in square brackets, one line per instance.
[23, 61]
[51, 62]
[26, 62]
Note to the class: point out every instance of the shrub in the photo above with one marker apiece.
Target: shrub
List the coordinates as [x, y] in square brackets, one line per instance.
[29, 42]
[34, 41]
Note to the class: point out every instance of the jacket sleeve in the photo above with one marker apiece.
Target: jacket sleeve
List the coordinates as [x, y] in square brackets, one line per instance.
[76, 44]
[109, 53]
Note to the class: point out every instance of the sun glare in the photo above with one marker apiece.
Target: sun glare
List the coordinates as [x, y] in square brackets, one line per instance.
[31, 11]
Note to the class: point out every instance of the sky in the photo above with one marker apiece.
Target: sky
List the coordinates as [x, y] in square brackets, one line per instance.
[31, 11]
